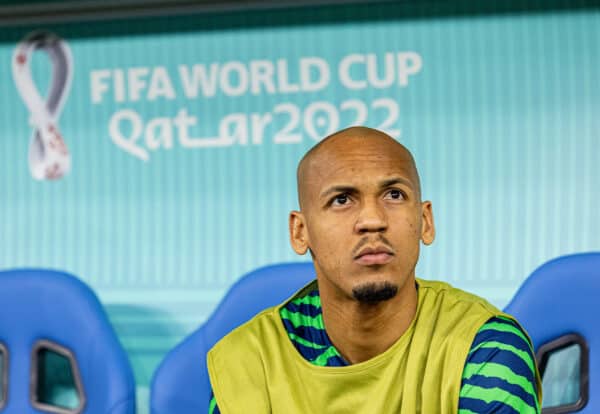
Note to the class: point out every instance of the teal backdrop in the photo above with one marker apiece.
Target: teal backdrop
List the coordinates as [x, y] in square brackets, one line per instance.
[185, 133]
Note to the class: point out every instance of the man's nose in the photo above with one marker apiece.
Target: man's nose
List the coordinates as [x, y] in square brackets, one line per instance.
[372, 218]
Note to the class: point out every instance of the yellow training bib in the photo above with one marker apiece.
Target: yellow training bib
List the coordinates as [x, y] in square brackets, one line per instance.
[256, 369]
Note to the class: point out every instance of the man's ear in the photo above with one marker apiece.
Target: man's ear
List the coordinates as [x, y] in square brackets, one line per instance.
[298, 234]
[427, 224]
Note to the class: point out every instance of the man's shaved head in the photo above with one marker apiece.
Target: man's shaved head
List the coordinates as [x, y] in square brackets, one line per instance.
[353, 139]
[361, 217]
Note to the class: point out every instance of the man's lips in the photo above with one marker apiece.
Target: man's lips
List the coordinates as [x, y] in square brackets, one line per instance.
[374, 256]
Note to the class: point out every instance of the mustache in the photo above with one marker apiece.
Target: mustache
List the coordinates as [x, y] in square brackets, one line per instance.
[366, 240]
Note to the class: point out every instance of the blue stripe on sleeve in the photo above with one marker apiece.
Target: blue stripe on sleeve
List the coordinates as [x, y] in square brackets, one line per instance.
[481, 407]
[506, 337]
[493, 382]
[506, 358]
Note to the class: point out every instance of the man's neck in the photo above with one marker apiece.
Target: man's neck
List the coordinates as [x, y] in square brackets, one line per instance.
[362, 331]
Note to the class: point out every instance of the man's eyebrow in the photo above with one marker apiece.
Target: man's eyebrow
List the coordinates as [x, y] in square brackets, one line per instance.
[338, 189]
[396, 180]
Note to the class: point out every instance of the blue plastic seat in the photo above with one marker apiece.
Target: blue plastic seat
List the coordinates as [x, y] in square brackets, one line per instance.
[55, 335]
[559, 306]
[180, 384]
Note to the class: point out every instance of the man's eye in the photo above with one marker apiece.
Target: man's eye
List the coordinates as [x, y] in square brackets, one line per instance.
[395, 195]
[340, 200]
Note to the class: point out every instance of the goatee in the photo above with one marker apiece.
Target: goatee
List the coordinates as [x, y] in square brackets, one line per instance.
[372, 293]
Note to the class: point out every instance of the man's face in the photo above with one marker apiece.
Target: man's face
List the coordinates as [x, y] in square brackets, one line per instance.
[361, 216]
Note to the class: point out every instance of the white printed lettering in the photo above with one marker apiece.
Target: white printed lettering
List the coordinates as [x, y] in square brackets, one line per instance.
[160, 84]
[199, 79]
[282, 78]
[119, 85]
[227, 86]
[373, 72]
[323, 74]
[261, 72]
[98, 84]
[259, 122]
[345, 69]
[127, 143]
[409, 63]
[159, 132]
[136, 82]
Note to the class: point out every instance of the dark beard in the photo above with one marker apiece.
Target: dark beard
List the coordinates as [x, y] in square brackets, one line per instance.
[373, 293]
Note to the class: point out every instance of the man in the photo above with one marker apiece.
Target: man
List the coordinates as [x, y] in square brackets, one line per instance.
[367, 336]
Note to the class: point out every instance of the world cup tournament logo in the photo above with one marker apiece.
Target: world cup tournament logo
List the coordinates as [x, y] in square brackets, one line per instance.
[48, 154]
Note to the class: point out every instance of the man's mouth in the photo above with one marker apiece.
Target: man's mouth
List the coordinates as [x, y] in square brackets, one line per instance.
[374, 256]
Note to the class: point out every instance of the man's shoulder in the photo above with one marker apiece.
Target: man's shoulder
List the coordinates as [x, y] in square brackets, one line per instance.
[452, 316]
[252, 332]
[261, 327]
[454, 296]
